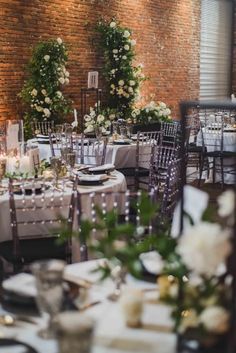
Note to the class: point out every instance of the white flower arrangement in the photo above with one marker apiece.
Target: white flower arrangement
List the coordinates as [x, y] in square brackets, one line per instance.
[196, 266]
[152, 112]
[97, 118]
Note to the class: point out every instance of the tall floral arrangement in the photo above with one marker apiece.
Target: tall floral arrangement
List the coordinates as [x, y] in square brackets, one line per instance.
[41, 92]
[151, 113]
[122, 76]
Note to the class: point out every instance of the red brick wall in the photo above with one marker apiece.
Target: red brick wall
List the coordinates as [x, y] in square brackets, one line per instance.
[167, 34]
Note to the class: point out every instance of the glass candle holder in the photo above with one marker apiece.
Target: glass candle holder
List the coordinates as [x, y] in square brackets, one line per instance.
[131, 302]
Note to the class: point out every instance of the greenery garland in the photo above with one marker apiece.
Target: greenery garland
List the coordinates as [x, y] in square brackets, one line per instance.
[121, 75]
[41, 92]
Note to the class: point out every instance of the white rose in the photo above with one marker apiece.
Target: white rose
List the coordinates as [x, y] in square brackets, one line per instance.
[124, 57]
[120, 91]
[67, 81]
[89, 129]
[121, 83]
[137, 111]
[39, 109]
[59, 40]
[100, 118]
[112, 24]
[133, 42]
[168, 111]
[133, 114]
[47, 100]
[198, 242]
[59, 94]
[126, 34]
[113, 71]
[46, 112]
[107, 123]
[115, 51]
[126, 47]
[104, 130]
[190, 319]
[87, 117]
[162, 105]
[44, 92]
[215, 319]
[226, 203]
[61, 80]
[67, 74]
[130, 89]
[132, 83]
[34, 92]
[46, 58]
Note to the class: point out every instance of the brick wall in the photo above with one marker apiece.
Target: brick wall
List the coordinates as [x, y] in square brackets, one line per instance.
[167, 34]
[234, 53]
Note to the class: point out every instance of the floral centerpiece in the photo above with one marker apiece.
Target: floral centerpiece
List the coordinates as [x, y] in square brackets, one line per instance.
[98, 119]
[151, 113]
[42, 93]
[195, 281]
[122, 76]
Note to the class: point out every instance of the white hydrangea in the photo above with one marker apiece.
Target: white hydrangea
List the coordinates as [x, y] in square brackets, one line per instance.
[126, 34]
[34, 92]
[126, 47]
[215, 319]
[46, 58]
[61, 80]
[112, 24]
[47, 100]
[162, 105]
[226, 203]
[59, 40]
[198, 242]
[121, 83]
[46, 112]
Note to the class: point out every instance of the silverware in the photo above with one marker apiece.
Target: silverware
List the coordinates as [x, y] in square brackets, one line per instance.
[89, 305]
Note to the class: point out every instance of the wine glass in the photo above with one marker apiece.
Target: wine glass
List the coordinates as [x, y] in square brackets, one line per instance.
[56, 165]
[49, 276]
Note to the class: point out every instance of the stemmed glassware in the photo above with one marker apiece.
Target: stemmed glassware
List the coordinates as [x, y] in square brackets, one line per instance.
[49, 276]
[56, 165]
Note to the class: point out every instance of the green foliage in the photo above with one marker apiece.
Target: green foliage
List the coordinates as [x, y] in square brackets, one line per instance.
[122, 76]
[41, 92]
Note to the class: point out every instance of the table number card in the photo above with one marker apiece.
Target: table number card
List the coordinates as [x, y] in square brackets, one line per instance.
[93, 79]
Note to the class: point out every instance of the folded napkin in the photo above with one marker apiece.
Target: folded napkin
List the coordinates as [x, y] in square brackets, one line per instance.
[107, 166]
[99, 177]
[21, 284]
[152, 262]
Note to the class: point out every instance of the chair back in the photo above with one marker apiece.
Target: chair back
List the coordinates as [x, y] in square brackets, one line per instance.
[145, 143]
[42, 127]
[172, 187]
[126, 205]
[37, 209]
[212, 136]
[90, 151]
[171, 132]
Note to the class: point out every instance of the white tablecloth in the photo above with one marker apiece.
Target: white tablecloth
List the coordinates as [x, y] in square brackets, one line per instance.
[229, 145]
[117, 183]
[122, 156]
[111, 334]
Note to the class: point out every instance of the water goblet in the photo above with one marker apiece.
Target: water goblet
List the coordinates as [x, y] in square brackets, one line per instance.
[48, 276]
[123, 132]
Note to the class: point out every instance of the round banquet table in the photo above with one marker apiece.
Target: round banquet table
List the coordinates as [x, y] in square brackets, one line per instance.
[111, 333]
[229, 145]
[121, 156]
[116, 184]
